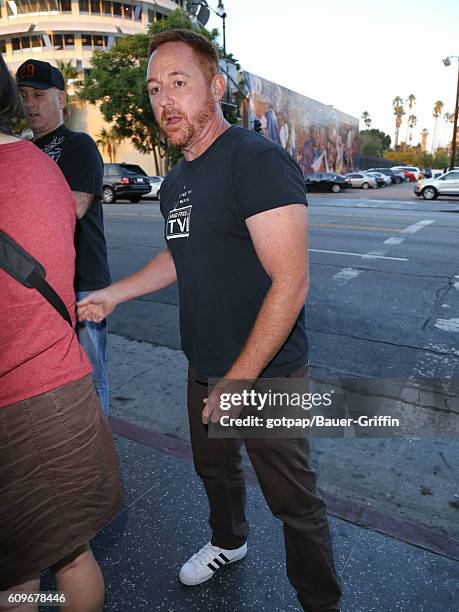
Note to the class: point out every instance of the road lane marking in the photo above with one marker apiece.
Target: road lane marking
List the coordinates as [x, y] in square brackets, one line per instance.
[412, 229]
[373, 254]
[347, 274]
[449, 325]
[364, 255]
[370, 228]
[394, 240]
[134, 214]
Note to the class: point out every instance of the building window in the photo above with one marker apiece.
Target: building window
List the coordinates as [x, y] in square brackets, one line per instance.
[58, 42]
[16, 44]
[84, 6]
[95, 7]
[69, 41]
[117, 12]
[107, 7]
[66, 6]
[86, 41]
[36, 42]
[138, 13]
[127, 11]
[25, 42]
[99, 42]
[42, 6]
[2, 45]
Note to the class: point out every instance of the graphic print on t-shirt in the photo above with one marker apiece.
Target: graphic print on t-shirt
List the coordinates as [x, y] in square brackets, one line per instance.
[178, 220]
[54, 148]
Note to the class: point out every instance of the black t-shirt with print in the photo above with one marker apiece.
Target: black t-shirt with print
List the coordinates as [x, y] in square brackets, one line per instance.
[79, 159]
[221, 281]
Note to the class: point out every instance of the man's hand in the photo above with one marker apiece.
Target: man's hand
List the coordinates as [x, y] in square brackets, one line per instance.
[95, 307]
[213, 410]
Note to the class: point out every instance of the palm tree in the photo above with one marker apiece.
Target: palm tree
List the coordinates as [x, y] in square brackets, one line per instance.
[69, 72]
[399, 111]
[411, 101]
[366, 119]
[109, 139]
[438, 106]
[412, 120]
[71, 76]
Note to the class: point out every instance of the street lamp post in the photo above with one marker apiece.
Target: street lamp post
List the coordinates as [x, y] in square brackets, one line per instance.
[222, 13]
[447, 62]
[202, 19]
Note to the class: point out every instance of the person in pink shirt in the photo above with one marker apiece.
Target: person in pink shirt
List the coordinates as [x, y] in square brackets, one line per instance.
[59, 476]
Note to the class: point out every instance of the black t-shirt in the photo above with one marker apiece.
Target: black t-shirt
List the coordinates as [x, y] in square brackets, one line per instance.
[221, 281]
[79, 159]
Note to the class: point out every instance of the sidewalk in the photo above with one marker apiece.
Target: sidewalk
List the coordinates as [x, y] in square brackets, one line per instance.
[164, 520]
[164, 516]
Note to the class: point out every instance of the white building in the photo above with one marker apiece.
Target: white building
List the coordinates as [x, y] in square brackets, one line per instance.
[70, 30]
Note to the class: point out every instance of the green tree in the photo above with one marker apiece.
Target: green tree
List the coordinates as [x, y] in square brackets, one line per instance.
[399, 111]
[366, 119]
[72, 76]
[412, 120]
[411, 100]
[117, 84]
[108, 140]
[438, 106]
[373, 142]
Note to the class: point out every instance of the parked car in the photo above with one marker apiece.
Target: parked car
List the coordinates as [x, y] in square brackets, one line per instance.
[394, 176]
[360, 180]
[326, 181]
[446, 184]
[412, 169]
[155, 184]
[381, 179]
[426, 173]
[126, 181]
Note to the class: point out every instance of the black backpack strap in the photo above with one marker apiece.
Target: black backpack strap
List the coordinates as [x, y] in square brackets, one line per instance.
[19, 264]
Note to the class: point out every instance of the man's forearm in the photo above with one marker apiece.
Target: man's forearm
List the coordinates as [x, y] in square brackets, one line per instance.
[83, 202]
[156, 275]
[273, 324]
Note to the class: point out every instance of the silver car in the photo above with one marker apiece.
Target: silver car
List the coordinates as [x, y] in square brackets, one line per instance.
[447, 184]
[361, 180]
[155, 183]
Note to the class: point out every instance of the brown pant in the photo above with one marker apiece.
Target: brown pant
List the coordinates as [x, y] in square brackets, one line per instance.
[288, 485]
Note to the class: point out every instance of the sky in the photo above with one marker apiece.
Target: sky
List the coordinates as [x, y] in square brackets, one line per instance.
[356, 55]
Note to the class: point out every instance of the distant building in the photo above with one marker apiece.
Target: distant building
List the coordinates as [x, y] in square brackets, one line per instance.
[320, 137]
[70, 30]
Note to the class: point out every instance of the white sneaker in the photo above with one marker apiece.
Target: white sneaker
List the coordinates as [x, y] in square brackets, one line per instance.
[205, 563]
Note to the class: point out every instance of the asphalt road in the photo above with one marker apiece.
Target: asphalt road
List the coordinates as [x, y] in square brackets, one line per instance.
[384, 298]
[383, 304]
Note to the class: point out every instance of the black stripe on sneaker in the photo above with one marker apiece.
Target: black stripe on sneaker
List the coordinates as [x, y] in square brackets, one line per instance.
[218, 562]
[224, 557]
[210, 566]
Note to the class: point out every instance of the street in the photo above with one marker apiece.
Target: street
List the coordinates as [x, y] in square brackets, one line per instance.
[383, 304]
[383, 300]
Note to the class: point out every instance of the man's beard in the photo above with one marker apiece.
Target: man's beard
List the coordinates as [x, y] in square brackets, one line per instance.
[189, 131]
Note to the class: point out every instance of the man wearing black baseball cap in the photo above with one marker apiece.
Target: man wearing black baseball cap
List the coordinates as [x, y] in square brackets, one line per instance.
[42, 88]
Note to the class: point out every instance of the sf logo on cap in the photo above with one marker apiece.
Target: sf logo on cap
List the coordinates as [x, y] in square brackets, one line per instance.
[28, 71]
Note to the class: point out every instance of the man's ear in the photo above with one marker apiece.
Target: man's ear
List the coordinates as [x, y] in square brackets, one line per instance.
[218, 87]
[62, 99]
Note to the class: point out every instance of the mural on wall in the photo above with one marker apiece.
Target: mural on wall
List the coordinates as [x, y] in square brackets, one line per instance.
[320, 137]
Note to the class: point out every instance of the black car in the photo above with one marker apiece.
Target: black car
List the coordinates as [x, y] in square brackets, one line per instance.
[126, 181]
[395, 177]
[326, 181]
